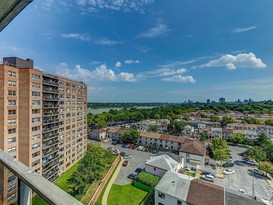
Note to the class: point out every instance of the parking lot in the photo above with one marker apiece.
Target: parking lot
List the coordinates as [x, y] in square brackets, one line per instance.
[243, 178]
[138, 160]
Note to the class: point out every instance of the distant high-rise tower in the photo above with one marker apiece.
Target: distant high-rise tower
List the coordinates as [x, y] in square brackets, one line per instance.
[208, 101]
[222, 100]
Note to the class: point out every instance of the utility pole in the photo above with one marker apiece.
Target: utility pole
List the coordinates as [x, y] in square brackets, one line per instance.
[253, 191]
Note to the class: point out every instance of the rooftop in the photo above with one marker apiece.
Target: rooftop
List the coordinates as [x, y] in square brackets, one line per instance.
[163, 162]
[194, 147]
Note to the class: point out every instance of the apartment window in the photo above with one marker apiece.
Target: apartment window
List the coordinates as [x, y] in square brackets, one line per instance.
[12, 197]
[36, 111]
[12, 112]
[11, 83]
[36, 94]
[36, 154]
[36, 85]
[12, 93]
[12, 150]
[36, 145]
[11, 74]
[35, 163]
[12, 102]
[36, 76]
[12, 122]
[11, 140]
[36, 137]
[36, 102]
[11, 188]
[179, 202]
[36, 128]
[12, 131]
[35, 119]
[61, 82]
[161, 195]
[11, 178]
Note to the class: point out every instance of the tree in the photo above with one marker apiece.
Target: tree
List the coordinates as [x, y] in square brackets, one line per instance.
[269, 122]
[267, 167]
[226, 120]
[215, 119]
[262, 140]
[186, 117]
[252, 120]
[204, 136]
[219, 149]
[153, 128]
[130, 136]
[256, 153]
[175, 128]
[237, 138]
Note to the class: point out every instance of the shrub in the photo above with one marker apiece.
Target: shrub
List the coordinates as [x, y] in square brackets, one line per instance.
[147, 179]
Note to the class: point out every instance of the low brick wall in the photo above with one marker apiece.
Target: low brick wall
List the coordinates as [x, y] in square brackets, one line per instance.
[104, 181]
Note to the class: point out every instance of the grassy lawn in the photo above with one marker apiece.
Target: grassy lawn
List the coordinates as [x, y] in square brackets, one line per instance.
[121, 195]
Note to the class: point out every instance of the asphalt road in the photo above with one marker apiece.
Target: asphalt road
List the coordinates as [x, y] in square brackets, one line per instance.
[138, 160]
[243, 179]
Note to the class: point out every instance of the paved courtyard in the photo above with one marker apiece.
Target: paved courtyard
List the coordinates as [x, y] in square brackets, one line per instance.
[243, 179]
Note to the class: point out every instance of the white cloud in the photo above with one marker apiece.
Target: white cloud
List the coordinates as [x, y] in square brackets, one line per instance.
[47, 4]
[131, 61]
[106, 42]
[101, 73]
[116, 5]
[95, 62]
[118, 64]
[162, 72]
[231, 62]
[83, 37]
[180, 79]
[158, 30]
[240, 30]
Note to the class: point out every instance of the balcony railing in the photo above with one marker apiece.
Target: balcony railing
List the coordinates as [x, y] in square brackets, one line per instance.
[31, 181]
[50, 99]
[47, 82]
[50, 91]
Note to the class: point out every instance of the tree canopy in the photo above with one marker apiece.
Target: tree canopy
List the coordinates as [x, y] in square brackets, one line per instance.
[130, 136]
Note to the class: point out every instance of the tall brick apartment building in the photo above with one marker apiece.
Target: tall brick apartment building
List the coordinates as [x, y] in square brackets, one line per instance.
[42, 121]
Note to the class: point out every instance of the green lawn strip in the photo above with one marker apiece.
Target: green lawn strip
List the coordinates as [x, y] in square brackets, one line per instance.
[90, 192]
[99, 200]
[125, 194]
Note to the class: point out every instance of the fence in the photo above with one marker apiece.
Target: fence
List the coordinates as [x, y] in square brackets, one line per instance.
[104, 181]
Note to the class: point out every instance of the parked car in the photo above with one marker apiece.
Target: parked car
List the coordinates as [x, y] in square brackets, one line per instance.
[140, 148]
[250, 162]
[206, 173]
[228, 164]
[106, 140]
[114, 142]
[125, 163]
[131, 146]
[125, 145]
[127, 156]
[110, 148]
[140, 169]
[123, 154]
[256, 171]
[132, 176]
[241, 191]
[207, 178]
[228, 171]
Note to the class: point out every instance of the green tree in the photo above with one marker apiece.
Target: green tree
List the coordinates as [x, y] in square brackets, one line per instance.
[175, 128]
[186, 117]
[269, 122]
[226, 120]
[252, 120]
[267, 167]
[130, 136]
[256, 153]
[204, 136]
[262, 140]
[153, 128]
[237, 138]
[215, 119]
[219, 149]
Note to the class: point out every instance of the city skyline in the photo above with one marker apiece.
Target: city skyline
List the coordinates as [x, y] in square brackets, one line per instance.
[150, 51]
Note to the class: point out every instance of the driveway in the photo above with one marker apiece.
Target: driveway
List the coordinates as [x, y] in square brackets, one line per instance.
[244, 179]
[138, 160]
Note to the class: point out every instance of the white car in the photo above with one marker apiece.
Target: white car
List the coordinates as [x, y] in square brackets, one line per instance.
[127, 156]
[140, 148]
[228, 171]
[241, 191]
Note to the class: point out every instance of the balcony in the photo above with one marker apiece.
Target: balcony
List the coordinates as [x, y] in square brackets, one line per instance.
[50, 113]
[50, 129]
[50, 137]
[50, 106]
[50, 151]
[46, 90]
[49, 144]
[50, 99]
[52, 83]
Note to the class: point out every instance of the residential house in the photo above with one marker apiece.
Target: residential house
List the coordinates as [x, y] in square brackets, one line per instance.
[194, 153]
[98, 134]
[115, 134]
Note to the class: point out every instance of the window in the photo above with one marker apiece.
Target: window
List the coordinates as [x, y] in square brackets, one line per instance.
[36, 102]
[11, 188]
[35, 163]
[36, 76]
[12, 197]
[179, 202]
[36, 111]
[161, 195]
[12, 131]
[11, 83]
[36, 154]
[36, 137]
[36, 94]
[12, 93]
[12, 112]
[11, 178]
[12, 150]
[36, 85]
[12, 102]
[12, 122]
[11, 74]
[35, 119]
[36, 128]
[11, 140]
[36, 145]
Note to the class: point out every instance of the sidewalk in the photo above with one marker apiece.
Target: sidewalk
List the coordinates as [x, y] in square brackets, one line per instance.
[113, 179]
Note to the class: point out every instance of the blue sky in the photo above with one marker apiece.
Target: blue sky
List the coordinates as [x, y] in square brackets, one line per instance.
[150, 50]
